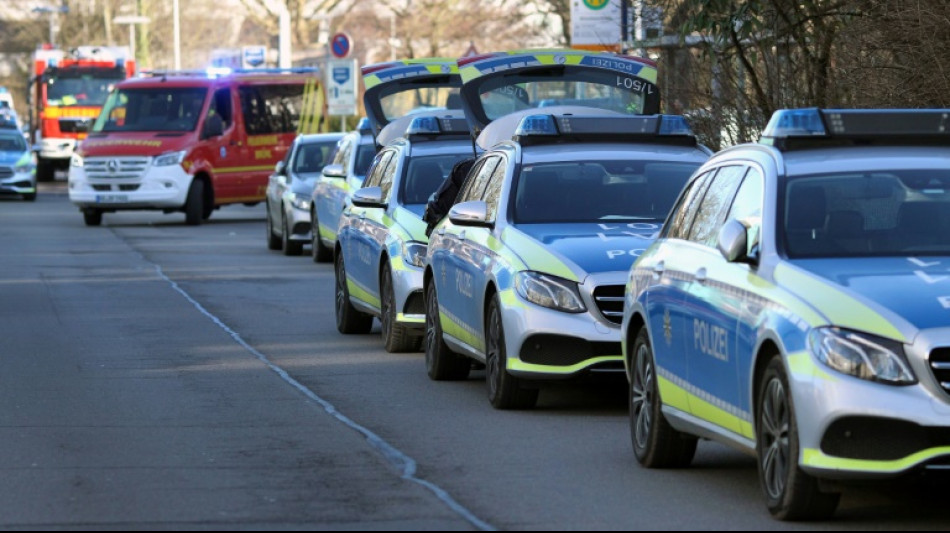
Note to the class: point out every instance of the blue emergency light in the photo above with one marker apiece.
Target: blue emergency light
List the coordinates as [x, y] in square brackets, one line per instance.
[811, 127]
[424, 126]
[536, 125]
[660, 128]
[364, 126]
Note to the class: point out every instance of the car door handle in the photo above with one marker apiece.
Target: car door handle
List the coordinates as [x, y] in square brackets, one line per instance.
[700, 275]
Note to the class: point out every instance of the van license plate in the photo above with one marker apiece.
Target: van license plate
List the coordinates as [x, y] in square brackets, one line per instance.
[111, 198]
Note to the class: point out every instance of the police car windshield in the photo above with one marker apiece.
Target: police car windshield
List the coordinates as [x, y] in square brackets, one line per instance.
[879, 213]
[595, 191]
[12, 143]
[425, 174]
[406, 102]
[364, 158]
[500, 97]
[156, 109]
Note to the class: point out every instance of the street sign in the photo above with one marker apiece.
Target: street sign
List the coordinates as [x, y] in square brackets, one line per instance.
[341, 86]
[340, 45]
[253, 56]
[596, 25]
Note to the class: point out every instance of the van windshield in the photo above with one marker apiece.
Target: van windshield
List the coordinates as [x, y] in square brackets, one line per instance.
[153, 109]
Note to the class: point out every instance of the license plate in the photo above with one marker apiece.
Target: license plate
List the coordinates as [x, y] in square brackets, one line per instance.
[111, 198]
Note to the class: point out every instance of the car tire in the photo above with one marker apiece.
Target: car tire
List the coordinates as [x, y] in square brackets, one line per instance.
[273, 241]
[398, 338]
[321, 253]
[45, 170]
[442, 364]
[504, 390]
[791, 494]
[290, 247]
[194, 203]
[348, 318]
[655, 443]
[92, 217]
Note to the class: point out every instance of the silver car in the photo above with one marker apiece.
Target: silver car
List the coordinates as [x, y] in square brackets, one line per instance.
[290, 188]
[17, 169]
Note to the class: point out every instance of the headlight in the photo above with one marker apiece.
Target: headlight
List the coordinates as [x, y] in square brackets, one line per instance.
[549, 291]
[171, 158]
[300, 201]
[860, 355]
[24, 168]
[414, 253]
[75, 160]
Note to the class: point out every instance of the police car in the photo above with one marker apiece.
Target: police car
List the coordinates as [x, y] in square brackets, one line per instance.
[17, 170]
[526, 274]
[381, 236]
[332, 189]
[797, 306]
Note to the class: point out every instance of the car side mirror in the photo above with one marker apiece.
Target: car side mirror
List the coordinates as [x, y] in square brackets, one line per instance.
[214, 127]
[733, 242]
[334, 171]
[368, 197]
[473, 213]
[280, 168]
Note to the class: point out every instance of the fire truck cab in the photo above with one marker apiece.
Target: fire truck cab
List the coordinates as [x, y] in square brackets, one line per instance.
[66, 94]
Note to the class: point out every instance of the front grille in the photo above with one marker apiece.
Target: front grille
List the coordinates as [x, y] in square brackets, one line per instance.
[880, 439]
[115, 167]
[74, 125]
[563, 350]
[128, 186]
[6, 172]
[609, 299]
[940, 366]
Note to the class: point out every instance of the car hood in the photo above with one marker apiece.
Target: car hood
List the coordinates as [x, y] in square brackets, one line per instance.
[12, 158]
[588, 248]
[908, 292]
[135, 143]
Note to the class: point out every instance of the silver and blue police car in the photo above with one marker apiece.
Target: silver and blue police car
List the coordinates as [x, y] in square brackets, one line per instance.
[381, 236]
[17, 170]
[331, 192]
[526, 274]
[290, 188]
[796, 306]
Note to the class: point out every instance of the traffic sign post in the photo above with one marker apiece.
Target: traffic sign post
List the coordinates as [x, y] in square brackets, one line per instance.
[341, 84]
[340, 45]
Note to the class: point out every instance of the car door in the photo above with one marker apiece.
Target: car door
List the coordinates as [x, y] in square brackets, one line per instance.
[451, 269]
[712, 309]
[667, 317]
[278, 183]
[364, 234]
[330, 193]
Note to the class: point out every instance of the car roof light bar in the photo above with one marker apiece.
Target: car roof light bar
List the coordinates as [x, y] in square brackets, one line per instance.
[813, 127]
[660, 127]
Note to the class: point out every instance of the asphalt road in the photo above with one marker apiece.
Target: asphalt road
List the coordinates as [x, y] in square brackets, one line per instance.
[161, 376]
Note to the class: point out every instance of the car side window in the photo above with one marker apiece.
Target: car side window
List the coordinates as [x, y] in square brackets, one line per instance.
[712, 209]
[386, 180]
[376, 170]
[475, 184]
[747, 206]
[682, 216]
[492, 195]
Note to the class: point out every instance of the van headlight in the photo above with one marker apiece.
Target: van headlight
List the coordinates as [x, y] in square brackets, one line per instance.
[861, 355]
[171, 158]
[414, 253]
[75, 160]
[549, 291]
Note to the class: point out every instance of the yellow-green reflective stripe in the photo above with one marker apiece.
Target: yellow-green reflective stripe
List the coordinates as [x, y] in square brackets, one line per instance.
[841, 309]
[519, 365]
[410, 319]
[361, 294]
[327, 232]
[231, 170]
[678, 397]
[455, 329]
[801, 363]
[537, 257]
[509, 298]
[817, 459]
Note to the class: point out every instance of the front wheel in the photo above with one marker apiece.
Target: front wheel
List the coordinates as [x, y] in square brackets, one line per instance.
[321, 253]
[398, 338]
[791, 494]
[194, 203]
[655, 443]
[348, 318]
[504, 390]
[442, 364]
[92, 217]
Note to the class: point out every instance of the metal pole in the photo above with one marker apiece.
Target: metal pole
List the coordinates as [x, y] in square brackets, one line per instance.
[132, 41]
[176, 15]
[284, 39]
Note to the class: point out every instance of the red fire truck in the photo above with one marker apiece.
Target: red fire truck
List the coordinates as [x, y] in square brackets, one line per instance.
[66, 93]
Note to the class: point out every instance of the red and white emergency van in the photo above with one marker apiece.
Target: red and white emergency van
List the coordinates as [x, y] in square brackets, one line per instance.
[192, 141]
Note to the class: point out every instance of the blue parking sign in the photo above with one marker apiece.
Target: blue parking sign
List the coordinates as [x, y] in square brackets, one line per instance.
[341, 74]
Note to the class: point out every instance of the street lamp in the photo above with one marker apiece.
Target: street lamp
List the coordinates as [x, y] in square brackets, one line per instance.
[131, 20]
[52, 11]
